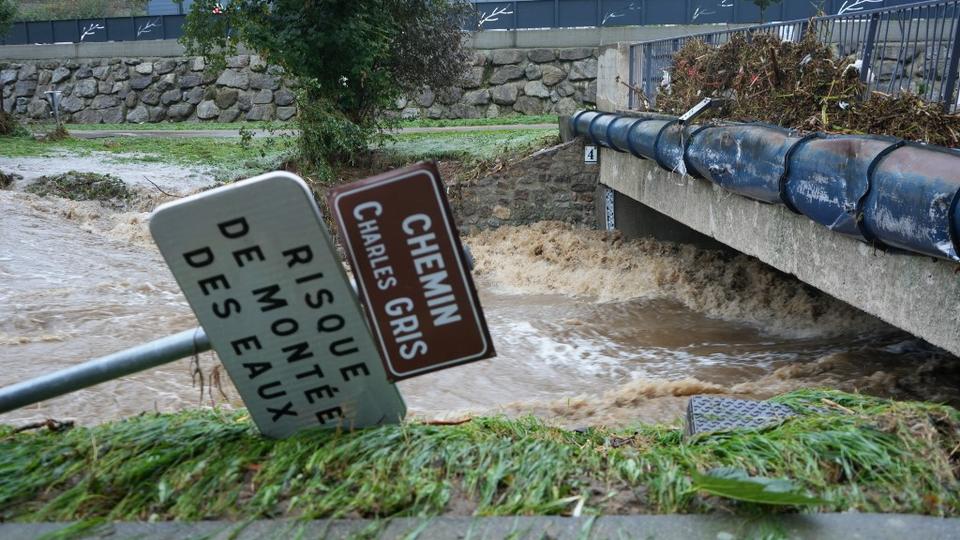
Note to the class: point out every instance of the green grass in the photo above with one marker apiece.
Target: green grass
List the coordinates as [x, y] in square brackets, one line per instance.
[516, 120]
[179, 126]
[469, 145]
[228, 158]
[426, 122]
[854, 452]
[231, 158]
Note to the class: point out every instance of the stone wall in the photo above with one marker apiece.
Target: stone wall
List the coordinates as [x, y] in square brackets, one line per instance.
[553, 184]
[137, 90]
[141, 90]
[510, 81]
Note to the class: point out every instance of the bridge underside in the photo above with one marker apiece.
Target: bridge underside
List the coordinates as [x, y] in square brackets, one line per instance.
[915, 293]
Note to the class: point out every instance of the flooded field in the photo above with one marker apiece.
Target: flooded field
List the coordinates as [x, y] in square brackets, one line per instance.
[589, 328]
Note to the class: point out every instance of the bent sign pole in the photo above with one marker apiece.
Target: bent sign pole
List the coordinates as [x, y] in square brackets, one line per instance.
[257, 266]
[411, 271]
[103, 369]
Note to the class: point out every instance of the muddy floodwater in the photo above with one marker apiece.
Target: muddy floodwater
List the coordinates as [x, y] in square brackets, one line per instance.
[589, 328]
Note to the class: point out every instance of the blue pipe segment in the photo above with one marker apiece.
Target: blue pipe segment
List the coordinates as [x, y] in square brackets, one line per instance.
[881, 190]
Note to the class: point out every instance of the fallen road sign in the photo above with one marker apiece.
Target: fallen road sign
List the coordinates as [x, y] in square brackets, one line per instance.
[257, 266]
[411, 271]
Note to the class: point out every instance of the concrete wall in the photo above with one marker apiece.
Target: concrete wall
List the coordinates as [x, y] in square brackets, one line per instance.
[918, 294]
[586, 37]
[494, 39]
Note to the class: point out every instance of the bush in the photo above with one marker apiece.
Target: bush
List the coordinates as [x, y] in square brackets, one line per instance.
[353, 57]
[327, 135]
[42, 10]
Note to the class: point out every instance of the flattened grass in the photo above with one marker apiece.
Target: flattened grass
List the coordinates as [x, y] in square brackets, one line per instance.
[227, 159]
[855, 452]
[512, 120]
[469, 146]
[227, 153]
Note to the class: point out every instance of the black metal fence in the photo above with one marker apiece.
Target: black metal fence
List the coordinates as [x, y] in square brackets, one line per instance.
[95, 30]
[913, 48]
[575, 13]
[517, 14]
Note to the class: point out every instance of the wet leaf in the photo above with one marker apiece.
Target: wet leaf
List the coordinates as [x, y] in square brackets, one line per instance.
[737, 484]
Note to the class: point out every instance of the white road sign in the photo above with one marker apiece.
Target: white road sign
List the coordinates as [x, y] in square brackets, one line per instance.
[256, 264]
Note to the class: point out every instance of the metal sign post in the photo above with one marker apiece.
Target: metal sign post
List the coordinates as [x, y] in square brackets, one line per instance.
[53, 96]
[411, 271]
[256, 264]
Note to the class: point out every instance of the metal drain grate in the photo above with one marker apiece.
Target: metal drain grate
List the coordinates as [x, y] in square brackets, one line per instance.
[706, 414]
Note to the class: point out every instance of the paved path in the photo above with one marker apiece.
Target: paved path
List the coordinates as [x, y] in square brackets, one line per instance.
[234, 133]
[846, 526]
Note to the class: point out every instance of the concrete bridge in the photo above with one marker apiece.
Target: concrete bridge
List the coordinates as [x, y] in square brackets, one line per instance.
[916, 293]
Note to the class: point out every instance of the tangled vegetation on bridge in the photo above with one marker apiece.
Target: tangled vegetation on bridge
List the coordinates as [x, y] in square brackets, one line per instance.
[801, 85]
[851, 451]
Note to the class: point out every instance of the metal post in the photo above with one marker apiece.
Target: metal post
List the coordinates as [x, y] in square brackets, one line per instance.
[106, 368]
[139, 358]
[648, 73]
[868, 53]
[951, 83]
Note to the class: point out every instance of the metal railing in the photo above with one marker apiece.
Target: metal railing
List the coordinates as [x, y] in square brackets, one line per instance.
[490, 15]
[912, 48]
[525, 14]
[95, 30]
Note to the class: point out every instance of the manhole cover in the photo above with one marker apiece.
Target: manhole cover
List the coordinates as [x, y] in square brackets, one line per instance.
[706, 414]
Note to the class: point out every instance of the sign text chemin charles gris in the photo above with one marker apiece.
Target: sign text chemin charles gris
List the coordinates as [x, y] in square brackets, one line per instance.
[411, 271]
[256, 264]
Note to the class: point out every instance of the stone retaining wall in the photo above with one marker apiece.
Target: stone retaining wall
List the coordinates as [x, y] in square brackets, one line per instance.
[138, 90]
[553, 184]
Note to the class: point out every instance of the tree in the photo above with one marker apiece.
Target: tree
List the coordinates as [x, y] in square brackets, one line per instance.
[353, 58]
[8, 10]
[763, 5]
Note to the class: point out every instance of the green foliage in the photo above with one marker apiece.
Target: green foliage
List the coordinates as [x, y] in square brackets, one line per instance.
[8, 11]
[738, 485]
[855, 452]
[327, 134]
[9, 127]
[42, 10]
[353, 57]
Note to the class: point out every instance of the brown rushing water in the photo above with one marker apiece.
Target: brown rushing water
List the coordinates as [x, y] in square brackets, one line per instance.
[590, 329]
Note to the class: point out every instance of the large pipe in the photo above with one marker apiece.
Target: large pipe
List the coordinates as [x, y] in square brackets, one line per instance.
[893, 194]
[106, 368]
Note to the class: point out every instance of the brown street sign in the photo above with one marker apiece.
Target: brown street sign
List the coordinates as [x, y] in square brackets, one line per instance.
[411, 272]
[257, 266]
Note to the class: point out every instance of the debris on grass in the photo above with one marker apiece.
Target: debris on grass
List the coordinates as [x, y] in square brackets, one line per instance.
[84, 186]
[59, 133]
[212, 464]
[9, 127]
[801, 85]
[6, 179]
